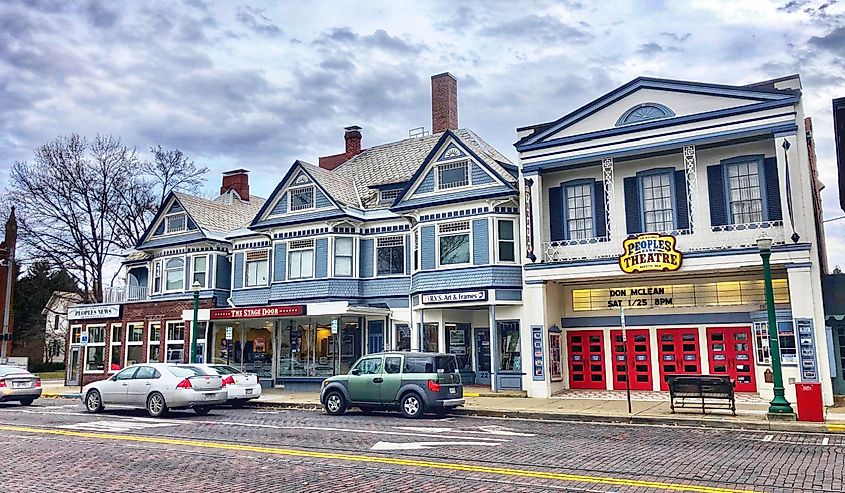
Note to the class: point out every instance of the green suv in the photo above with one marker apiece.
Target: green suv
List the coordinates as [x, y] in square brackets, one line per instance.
[413, 382]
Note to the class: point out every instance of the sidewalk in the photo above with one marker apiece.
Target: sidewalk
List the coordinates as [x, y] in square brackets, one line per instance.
[750, 415]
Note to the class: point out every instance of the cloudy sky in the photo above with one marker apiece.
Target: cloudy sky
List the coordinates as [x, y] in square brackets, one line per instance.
[260, 84]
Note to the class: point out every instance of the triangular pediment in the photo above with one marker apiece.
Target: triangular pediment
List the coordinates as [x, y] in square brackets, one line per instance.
[158, 227]
[282, 202]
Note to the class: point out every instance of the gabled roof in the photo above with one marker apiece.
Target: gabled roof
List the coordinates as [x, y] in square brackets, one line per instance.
[337, 186]
[754, 93]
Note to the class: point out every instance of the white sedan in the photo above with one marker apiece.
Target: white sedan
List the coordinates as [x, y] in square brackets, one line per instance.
[241, 387]
[156, 387]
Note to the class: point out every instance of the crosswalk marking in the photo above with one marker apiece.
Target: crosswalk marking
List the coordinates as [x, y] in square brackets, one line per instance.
[122, 425]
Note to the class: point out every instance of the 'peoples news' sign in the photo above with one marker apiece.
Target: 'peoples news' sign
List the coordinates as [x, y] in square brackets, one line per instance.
[258, 312]
[650, 253]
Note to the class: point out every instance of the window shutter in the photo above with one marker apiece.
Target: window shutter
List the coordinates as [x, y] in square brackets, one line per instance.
[366, 259]
[632, 206]
[716, 189]
[773, 205]
[556, 214]
[681, 202]
[601, 213]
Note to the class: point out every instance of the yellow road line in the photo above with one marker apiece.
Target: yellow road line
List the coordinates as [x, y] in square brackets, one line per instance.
[836, 428]
[379, 460]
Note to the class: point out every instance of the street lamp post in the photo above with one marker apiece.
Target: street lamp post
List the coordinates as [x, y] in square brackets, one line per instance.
[196, 286]
[779, 404]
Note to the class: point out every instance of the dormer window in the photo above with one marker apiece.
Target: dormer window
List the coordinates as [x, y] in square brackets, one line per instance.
[302, 198]
[388, 195]
[452, 175]
[175, 223]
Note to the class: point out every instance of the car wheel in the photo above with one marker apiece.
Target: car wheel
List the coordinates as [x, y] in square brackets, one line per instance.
[335, 403]
[156, 406]
[412, 405]
[27, 402]
[238, 403]
[202, 410]
[93, 401]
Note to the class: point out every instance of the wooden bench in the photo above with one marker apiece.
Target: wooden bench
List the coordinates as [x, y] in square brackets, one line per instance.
[702, 392]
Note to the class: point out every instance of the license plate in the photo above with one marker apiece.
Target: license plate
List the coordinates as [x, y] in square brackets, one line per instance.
[210, 396]
[453, 391]
[248, 391]
[20, 385]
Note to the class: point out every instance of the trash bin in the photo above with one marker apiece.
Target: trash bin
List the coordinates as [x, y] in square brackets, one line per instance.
[809, 397]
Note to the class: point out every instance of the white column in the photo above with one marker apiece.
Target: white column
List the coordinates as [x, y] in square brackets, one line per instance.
[691, 172]
[608, 356]
[417, 317]
[609, 194]
[654, 353]
[806, 303]
[534, 313]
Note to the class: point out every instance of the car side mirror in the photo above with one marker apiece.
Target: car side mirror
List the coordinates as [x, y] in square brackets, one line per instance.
[355, 371]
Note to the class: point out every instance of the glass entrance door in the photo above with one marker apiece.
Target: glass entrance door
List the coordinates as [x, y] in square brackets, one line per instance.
[730, 354]
[73, 359]
[375, 336]
[482, 352]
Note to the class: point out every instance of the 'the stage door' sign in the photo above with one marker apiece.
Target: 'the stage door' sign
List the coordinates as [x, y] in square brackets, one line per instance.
[258, 312]
[650, 253]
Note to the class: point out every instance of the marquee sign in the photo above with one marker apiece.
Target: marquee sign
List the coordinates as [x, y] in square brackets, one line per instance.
[258, 312]
[88, 312]
[650, 253]
[455, 297]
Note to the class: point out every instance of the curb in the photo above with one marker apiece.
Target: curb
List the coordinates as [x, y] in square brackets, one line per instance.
[51, 395]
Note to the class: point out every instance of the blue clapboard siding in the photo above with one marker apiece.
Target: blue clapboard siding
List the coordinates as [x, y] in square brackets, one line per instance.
[321, 200]
[468, 278]
[224, 272]
[238, 271]
[716, 191]
[479, 176]
[187, 281]
[681, 202]
[773, 205]
[407, 254]
[366, 260]
[633, 219]
[480, 242]
[321, 262]
[509, 294]
[427, 185]
[348, 289]
[279, 262]
[427, 248]
[445, 197]
[255, 296]
[601, 214]
[556, 213]
[281, 206]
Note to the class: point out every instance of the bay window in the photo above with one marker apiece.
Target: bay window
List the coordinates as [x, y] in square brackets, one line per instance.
[200, 270]
[157, 276]
[343, 257]
[257, 268]
[301, 259]
[454, 243]
[390, 255]
[174, 274]
[506, 240]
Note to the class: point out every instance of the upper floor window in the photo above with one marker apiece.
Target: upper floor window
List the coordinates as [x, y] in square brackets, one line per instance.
[175, 223]
[388, 195]
[644, 112]
[390, 255]
[257, 266]
[658, 204]
[506, 241]
[746, 202]
[157, 276]
[174, 273]
[200, 270]
[302, 198]
[452, 175]
[579, 211]
[454, 243]
[343, 257]
[301, 259]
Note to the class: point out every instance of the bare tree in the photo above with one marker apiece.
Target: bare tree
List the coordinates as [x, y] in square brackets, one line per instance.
[172, 170]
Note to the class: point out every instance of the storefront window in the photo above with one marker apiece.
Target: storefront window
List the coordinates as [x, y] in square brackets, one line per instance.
[94, 359]
[310, 349]
[115, 362]
[458, 342]
[134, 354]
[430, 337]
[351, 345]
[786, 340]
[175, 349]
[510, 359]
[404, 339]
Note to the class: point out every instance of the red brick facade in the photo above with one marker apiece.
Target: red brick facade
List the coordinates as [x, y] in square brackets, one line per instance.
[444, 103]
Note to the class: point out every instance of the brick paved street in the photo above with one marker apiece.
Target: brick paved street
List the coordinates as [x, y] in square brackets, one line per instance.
[55, 446]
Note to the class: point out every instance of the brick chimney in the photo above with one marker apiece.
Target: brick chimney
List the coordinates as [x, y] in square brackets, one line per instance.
[352, 138]
[444, 103]
[237, 180]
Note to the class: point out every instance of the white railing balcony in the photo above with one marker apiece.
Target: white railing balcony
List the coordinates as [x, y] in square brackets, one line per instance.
[576, 250]
[122, 294]
[136, 293]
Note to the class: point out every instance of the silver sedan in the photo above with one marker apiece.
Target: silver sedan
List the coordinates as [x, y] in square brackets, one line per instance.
[156, 387]
[19, 385]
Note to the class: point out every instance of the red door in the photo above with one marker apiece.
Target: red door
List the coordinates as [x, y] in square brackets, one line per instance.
[679, 352]
[638, 356]
[586, 359]
[731, 354]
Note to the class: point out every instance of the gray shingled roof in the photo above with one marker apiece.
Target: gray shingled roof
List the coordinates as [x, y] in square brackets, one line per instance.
[396, 162]
[340, 187]
[224, 214]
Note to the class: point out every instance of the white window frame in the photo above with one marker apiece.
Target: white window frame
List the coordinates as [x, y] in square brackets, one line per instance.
[169, 217]
[101, 344]
[257, 252]
[497, 240]
[207, 271]
[150, 342]
[417, 265]
[296, 246]
[761, 343]
[164, 270]
[438, 186]
[157, 267]
[169, 342]
[351, 256]
[70, 332]
[127, 328]
[293, 190]
[112, 344]
[439, 235]
[375, 254]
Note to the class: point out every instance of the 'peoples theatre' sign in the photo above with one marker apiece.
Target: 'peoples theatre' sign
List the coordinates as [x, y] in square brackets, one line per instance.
[650, 253]
[258, 312]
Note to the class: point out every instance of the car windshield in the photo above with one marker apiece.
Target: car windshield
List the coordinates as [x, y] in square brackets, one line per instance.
[226, 370]
[185, 371]
[11, 370]
[446, 364]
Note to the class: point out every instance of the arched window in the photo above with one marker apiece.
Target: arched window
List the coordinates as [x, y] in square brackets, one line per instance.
[174, 270]
[643, 112]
